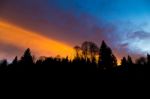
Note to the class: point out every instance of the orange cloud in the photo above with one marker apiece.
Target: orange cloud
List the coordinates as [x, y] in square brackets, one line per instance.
[40, 45]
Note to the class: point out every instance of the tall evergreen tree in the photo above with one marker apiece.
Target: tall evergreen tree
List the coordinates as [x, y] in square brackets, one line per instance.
[124, 62]
[14, 65]
[148, 59]
[130, 62]
[26, 61]
[27, 57]
[106, 58]
[15, 61]
[114, 59]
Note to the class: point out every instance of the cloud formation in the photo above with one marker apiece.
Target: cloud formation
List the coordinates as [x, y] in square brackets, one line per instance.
[75, 21]
[55, 23]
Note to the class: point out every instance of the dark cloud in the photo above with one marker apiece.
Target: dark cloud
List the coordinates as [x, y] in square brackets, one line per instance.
[140, 35]
[125, 45]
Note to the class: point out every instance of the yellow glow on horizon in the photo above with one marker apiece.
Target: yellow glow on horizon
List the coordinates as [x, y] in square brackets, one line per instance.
[43, 46]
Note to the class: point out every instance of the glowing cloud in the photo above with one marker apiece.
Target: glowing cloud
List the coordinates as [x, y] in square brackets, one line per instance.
[40, 45]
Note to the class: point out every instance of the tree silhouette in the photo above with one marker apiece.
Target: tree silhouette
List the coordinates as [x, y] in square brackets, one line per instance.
[106, 58]
[26, 61]
[3, 65]
[14, 65]
[105, 68]
[148, 59]
[141, 61]
[129, 61]
[77, 50]
[94, 50]
[85, 49]
[89, 50]
[15, 61]
[124, 62]
[27, 58]
[114, 60]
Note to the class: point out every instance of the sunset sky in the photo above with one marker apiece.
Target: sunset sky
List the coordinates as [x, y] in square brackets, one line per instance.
[52, 27]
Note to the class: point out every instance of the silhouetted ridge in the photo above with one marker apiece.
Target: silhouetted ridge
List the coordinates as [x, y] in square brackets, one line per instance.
[100, 62]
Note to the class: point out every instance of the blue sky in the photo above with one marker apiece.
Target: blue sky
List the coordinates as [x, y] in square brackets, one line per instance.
[107, 9]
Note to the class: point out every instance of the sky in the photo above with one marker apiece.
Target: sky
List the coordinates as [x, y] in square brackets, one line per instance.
[54, 27]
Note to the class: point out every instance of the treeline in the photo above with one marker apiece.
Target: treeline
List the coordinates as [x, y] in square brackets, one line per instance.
[89, 58]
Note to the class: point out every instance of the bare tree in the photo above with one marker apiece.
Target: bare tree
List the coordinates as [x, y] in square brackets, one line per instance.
[77, 50]
[89, 50]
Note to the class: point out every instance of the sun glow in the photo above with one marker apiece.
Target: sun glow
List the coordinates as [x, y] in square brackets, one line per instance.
[40, 45]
